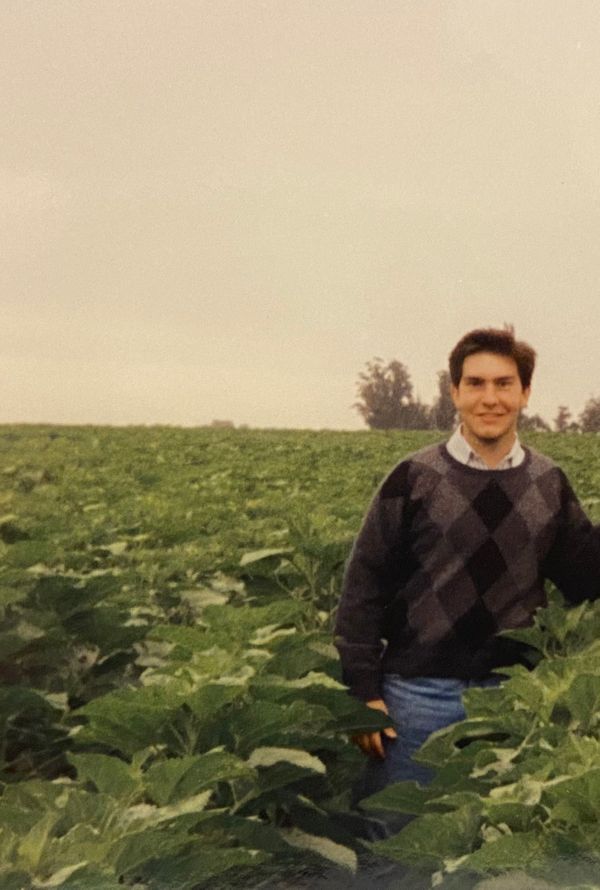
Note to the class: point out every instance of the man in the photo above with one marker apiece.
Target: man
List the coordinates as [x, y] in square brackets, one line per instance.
[456, 546]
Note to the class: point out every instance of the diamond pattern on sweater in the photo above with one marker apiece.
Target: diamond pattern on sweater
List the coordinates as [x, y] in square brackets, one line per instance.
[530, 505]
[492, 505]
[449, 503]
[486, 566]
[467, 532]
[475, 625]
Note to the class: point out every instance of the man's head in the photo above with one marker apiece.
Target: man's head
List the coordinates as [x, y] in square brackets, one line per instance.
[491, 378]
[500, 341]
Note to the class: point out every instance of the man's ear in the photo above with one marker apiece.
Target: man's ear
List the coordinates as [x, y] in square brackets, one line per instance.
[525, 397]
[454, 394]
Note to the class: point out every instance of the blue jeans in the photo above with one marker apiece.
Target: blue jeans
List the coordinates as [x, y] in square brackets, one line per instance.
[418, 707]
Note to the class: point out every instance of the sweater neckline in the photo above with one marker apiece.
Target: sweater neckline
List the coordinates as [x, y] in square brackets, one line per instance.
[490, 471]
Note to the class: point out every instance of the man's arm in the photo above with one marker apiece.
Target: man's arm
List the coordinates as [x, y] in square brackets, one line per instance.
[370, 582]
[573, 562]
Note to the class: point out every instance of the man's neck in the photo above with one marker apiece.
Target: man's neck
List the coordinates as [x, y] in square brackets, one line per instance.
[491, 451]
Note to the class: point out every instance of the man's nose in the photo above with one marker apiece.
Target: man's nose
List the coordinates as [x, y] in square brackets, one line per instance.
[490, 395]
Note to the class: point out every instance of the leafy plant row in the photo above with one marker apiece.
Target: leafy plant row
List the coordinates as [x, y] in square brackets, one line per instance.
[229, 754]
[170, 708]
[517, 785]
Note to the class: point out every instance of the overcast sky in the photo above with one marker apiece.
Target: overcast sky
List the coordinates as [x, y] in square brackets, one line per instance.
[224, 209]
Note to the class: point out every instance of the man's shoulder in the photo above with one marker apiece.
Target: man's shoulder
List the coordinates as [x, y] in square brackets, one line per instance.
[539, 464]
[399, 481]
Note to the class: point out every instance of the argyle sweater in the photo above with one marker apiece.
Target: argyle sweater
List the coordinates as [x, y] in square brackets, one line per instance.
[447, 556]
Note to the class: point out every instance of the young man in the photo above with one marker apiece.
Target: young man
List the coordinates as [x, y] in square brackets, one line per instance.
[456, 546]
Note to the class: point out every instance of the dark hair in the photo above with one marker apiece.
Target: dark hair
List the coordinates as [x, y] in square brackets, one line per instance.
[497, 340]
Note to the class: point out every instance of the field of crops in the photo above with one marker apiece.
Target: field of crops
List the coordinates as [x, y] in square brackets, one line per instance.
[171, 713]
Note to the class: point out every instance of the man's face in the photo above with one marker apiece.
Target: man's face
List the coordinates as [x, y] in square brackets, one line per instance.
[489, 398]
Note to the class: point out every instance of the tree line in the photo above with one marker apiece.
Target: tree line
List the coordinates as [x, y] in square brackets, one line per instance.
[386, 401]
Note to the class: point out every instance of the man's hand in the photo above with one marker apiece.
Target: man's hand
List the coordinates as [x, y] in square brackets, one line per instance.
[371, 743]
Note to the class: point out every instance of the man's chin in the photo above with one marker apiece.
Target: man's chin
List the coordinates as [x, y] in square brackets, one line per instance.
[488, 437]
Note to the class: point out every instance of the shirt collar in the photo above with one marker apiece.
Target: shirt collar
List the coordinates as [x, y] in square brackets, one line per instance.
[460, 449]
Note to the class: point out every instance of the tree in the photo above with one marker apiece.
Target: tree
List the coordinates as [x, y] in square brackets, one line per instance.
[443, 413]
[386, 397]
[416, 416]
[561, 421]
[589, 419]
[532, 423]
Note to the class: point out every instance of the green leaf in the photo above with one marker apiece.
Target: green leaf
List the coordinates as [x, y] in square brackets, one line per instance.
[507, 852]
[583, 700]
[280, 771]
[148, 845]
[443, 744]
[15, 880]
[181, 777]
[401, 797]
[187, 871]
[263, 757]
[211, 698]
[258, 555]
[580, 792]
[33, 846]
[60, 877]
[518, 880]
[110, 775]
[130, 719]
[429, 840]
[91, 878]
[265, 722]
[322, 846]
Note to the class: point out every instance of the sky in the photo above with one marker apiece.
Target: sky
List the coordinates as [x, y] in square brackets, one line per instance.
[225, 209]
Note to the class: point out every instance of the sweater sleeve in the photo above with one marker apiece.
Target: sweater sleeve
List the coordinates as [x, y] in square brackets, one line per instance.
[573, 562]
[370, 582]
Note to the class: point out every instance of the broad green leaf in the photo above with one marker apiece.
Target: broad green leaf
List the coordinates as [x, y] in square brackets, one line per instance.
[186, 871]
[117, 547]
[149, 816]
[401, 797]
[517, 880]
[316, 678]
[507, 852]
[238, 624]
[91, 878]
[130, 719]
[322, 846]
[110, 775]
[264, 757]
[580, 792]
[429, 840]
[516, 816]
[259, 555]
[59, 877]
[15, 880]
[178, 778]
[9, 596]
[275, 785]
[149, 845]
[207, 701]
[89, 843]
[267, 723]
[16, 700]
[442, 745]
[583, 701]
[33, 846]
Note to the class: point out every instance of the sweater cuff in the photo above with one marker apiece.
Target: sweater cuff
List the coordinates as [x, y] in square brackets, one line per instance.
[366, 687]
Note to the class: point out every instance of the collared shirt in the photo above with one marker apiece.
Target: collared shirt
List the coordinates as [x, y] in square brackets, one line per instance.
[459, 448]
